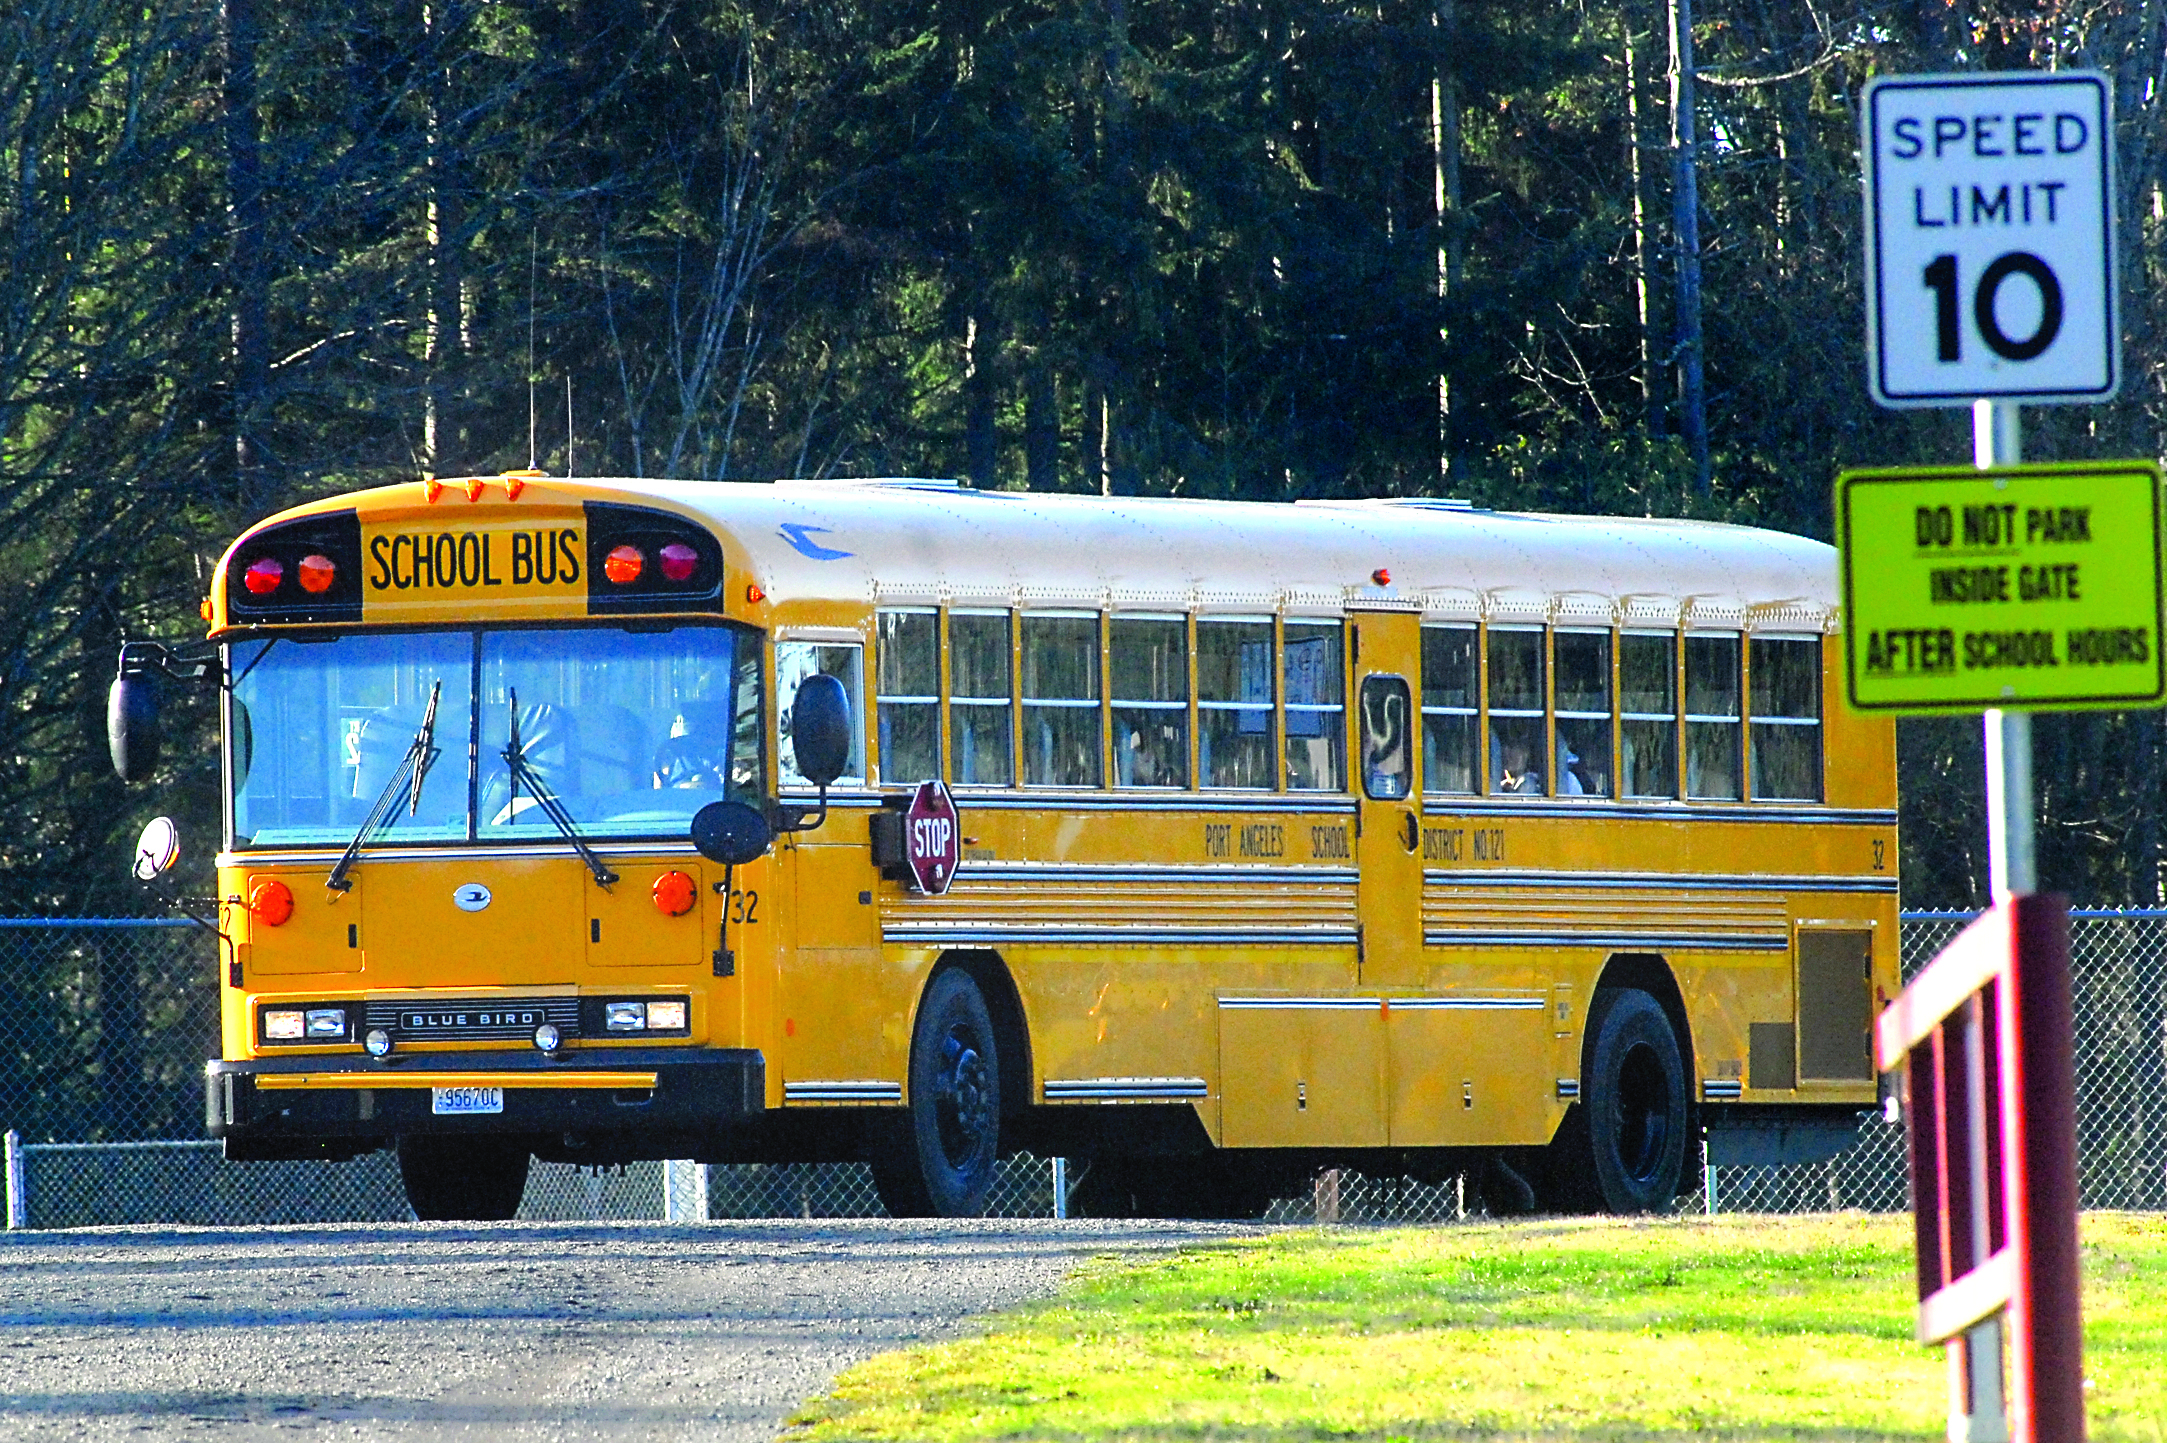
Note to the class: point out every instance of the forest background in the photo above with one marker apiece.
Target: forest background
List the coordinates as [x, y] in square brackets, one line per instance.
[1262, 249]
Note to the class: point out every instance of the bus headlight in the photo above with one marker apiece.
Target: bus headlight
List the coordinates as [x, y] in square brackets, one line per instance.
[652, 1014]
[328, 1022]
[284, 1024]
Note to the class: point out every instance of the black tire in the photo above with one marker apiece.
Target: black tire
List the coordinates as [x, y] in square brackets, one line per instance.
[943, 1164]
[463, 1179]
[1636, 1105]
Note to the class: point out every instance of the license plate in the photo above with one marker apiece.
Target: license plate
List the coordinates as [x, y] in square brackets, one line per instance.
[467, 1099]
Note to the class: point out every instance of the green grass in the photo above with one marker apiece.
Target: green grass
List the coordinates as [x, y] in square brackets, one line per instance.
[1746, 1329]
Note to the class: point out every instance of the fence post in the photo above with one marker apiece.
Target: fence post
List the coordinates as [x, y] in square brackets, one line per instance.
[18, 1211]
[1060, 1187]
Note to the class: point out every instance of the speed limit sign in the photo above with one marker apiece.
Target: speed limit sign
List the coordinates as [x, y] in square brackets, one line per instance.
[1990, 238]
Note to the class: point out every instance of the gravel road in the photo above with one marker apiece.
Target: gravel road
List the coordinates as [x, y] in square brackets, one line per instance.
[521, 1331]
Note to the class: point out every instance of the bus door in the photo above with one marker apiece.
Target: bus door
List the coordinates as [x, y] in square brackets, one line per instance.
[1388, 791]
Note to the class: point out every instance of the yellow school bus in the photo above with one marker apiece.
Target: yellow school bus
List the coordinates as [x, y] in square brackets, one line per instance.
[1401, 835]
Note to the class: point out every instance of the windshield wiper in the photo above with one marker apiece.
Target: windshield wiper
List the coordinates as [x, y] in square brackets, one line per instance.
[421, 754]
[515, 760]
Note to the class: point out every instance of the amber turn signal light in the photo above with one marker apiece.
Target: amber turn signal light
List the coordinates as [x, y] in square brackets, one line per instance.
[675, 894]
[271, 902]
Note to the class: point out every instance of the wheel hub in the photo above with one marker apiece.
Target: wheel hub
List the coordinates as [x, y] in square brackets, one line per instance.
[966, 1103]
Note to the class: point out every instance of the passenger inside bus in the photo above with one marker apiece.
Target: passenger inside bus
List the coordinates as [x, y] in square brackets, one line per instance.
[1509, 767]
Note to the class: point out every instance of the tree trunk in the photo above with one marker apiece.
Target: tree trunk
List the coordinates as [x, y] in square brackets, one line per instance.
[1451, 239]
[1097, 474]
[1651, 394]
[981, 438]
[240, 33]
[442, 22]
[1685, 226]
[1041, 429]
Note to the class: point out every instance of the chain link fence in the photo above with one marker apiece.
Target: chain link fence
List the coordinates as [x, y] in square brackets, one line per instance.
[104, 1025]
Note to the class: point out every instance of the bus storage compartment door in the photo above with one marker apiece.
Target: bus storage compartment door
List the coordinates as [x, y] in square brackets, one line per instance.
[1301, 1072]
[307, 929]
[1470, 1070]
[636, 923]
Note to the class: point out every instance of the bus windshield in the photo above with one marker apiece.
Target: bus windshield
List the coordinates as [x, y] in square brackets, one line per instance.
[632, 731]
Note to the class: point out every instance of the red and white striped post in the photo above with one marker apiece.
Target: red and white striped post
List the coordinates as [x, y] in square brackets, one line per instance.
[1983, 1036]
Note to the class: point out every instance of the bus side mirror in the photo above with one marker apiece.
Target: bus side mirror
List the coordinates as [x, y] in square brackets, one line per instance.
[820, 729]
[731, 833]
[156, 849]
[131, 725]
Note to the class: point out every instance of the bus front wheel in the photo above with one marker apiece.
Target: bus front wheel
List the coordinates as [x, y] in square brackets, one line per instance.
[463, 1179]
[943, 1166]
[1635, 1098]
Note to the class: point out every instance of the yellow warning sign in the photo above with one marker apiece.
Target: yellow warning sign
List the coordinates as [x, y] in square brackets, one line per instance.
[2031, 587]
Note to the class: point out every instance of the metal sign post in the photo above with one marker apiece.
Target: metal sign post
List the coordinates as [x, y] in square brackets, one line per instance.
[1991, 282]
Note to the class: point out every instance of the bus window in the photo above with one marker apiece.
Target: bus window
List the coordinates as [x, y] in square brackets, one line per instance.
[633, 731]
[1448, 709]
[319, 730]
[1234, 702]
[1516, 710]
[794, 662]
[1583, 710]
[978, 699]
[1787, 718]
[1061, 700]
[1648, 697]
[1714, 726]
[1316, 728]
[1148, 657]
[1387, 750]
[909, 695]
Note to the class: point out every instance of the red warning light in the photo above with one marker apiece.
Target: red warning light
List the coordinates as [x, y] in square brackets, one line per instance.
[623, 565]
[679, 561]
[316, 573]
[1380, 577]
[262, 577]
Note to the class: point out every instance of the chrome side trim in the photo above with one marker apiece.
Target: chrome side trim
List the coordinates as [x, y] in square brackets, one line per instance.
[1124, 936]
[1716, 1089]
[1302, 1004]
[1662, 811]
[1465, 1004]
[1116, 1089]
[1678, 881]
[1150, 801]
[1568, 1088]
[1089, 872]
[842, 1092]
[1669, 941]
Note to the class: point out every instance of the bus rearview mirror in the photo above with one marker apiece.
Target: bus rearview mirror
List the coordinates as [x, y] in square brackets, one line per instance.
[131, 726]
[820, 729]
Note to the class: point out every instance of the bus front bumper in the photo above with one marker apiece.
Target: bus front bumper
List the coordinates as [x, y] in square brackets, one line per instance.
[297, 1106]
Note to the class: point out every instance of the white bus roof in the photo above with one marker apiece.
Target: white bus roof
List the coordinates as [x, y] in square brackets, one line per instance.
[900, 542]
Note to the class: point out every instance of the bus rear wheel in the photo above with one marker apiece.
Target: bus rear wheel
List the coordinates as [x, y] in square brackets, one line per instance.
[463, 1179]
[1635, 1099]
[943, 1165]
